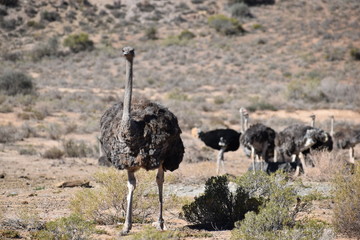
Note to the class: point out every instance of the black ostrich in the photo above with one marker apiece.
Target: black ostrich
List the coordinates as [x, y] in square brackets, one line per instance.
[345, 138]
[138, 135]
[258, 142]
[295, 139]
[224, 140]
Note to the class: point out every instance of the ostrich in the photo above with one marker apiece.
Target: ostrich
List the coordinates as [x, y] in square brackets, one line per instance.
[295, 139]
[345, 138]
[138, 135]
[223, 140]
[258, 142]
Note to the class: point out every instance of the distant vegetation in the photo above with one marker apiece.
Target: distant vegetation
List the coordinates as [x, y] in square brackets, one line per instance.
[79, 42]
[14, 82]
[225, 25]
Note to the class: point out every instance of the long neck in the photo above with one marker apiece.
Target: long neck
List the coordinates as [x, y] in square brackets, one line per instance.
[313, 122]
[246, 123]
[128, 91]
[242, 122]
[332, 127]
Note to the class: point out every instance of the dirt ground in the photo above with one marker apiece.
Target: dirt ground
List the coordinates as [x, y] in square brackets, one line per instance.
[30, 183]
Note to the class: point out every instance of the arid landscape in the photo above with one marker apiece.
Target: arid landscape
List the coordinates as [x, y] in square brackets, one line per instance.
[284, 61]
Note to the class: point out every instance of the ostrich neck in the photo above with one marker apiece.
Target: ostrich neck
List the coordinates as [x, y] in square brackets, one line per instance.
[332, 127]
[242, 123]
[128, 92]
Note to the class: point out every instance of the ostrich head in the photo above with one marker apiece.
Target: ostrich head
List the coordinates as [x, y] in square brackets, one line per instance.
[314, 135]
[129, 53]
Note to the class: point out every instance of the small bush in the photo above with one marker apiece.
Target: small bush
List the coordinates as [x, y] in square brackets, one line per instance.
[28, 151]
[251, 2]
[66, 228]
[186, 35]
[45, 50]
[151, 33]
[50, 16]
[53, 153]
[35, 25]
[54, 131]
[9, 234]
[106, 204]
[355, 54]
[240, 10]
[347, 202]
[79, 42]
[218, 208]
[77, 149]
[9, 133]
[225, 25]
[12, 83]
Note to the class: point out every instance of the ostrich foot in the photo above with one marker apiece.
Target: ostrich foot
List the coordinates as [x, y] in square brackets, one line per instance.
[126, 229]
[159, 225]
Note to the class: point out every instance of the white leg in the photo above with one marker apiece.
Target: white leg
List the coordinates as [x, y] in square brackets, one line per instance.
[297, 170]
[220, 160]
[160, 182]
[275, 155]
[253, 157]
[351, 153]
[131, 187]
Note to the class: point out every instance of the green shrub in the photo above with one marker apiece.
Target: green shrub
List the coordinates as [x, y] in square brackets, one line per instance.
[35, 25]
[77, 149]
[306, 89]
[219, 208]
[9, 234]
[240, 10]
[53, 153]
[355, 54]
[346, 193]
[225, 25]
[106, 204]
[66, 228]
[186, 35]
[260, 104]
[12, 83]
[151, 33]
[79, 42]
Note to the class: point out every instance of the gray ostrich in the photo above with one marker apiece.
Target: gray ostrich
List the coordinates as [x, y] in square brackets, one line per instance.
[295, 139]
[345, 138]
[140, 134]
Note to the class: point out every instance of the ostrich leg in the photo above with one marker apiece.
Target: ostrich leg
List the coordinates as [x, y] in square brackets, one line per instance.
[264, 156]
[220, 160]
[160, 182]
[302, 160]
[297, 170]
[352, 155]
[131, 187]
[253, 158]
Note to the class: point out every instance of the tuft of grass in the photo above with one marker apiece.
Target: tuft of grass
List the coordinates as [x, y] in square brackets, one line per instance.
[225, 25]
[7, 234]
[176, 94]
[106, 204]
[9, 133]
[65, 228]
[77, 149]
[355, 54]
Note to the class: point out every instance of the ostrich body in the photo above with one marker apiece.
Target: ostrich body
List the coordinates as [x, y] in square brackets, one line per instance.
[103, 159]
[140, 134]
[295, 139]
[223, 140]
[345, 138]
[258, 142]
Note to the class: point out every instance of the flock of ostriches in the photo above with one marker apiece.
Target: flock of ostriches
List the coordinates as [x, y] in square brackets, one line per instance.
[141, 134]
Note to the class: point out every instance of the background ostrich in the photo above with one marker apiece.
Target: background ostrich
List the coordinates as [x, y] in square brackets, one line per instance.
[345, 138]
[138, 135]
[293, 140]
[318, 146]
[258, 142]
[223, 140]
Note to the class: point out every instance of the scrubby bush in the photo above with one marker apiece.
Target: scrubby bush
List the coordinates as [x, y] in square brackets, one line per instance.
[251, 2]
[77, 149]
[50, 16]
[186, 35]
[12, 83]
[355, 54]
[225, 25]
[218, 207]
[53, 153]
[346, 193]
[106, 204]
[151, 33]
[306, 89]
[240, 10]
[79, 42]
[45, 50]
[276, 216]
[9, 3]
[66, 228]
[10, 133]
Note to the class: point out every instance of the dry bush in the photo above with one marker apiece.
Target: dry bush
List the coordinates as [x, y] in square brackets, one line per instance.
[347, 202]
[77, 149]
[10, 133]
[327, 164]
[55, 131]
[53, 153]
[106, 203]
